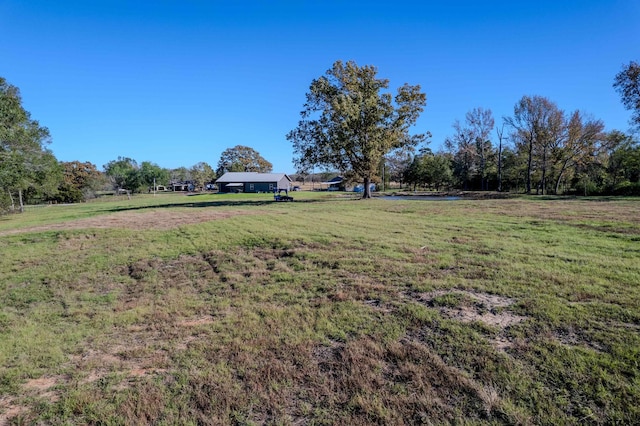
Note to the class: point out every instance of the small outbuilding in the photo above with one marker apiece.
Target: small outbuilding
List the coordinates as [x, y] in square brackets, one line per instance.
[253, 182]
[335, 184]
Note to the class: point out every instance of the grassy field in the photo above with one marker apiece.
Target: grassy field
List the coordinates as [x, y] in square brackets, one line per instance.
[234, 309]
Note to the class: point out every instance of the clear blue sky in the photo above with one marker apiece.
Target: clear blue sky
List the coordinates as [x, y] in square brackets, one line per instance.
[176, 82]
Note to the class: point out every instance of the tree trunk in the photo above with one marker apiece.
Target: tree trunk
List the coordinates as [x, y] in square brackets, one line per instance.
[562, 169]
[500, 158]
[484, 185]
[544, 169]
[21, 202]
[366, 193]
[13, 203]
[500, 166]
[529, 161]
[557, 190]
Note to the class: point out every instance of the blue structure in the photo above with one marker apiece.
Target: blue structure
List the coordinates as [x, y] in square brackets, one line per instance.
[253, 182]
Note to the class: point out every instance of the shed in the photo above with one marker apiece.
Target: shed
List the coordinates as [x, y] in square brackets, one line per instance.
[335, 184]
[253, 182]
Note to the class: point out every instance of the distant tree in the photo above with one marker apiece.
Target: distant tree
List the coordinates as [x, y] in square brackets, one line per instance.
[481, 122]
[79, 179]
[124, 173]
[623, 166]
[438, 169]
[618, 145]
[514, 169]
[582, 140]
[471, 146]
[627, 83]
[25, 163]
[46, 174]
[631, 163]
[429, 170]
[536, 125]
[201, 174]
[550, 135]
[242, 159]
[463, 149]
[414, 172]
[181, 174]
[501, 140]
[151, 174]
[80, 175]
[397, 161]
[348, 123]
[301, 175]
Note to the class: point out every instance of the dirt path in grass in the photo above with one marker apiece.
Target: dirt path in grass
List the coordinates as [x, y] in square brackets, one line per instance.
[153, 219]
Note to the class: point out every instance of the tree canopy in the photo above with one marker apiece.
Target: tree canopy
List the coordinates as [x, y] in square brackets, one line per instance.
[202, 174]
[471, 147]
[537, 124]
[627, 83]
[242, 159]
[79, 181]
[124, 173]
[152, 175]
[25, 163]
[349, 123]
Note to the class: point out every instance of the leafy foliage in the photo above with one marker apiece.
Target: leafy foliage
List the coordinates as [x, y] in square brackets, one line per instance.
[79, 181]
[151, 173]
[124, 174]
[471, 147]
[349, 124]
[429, 170]
[242, 159]
[202, 174]
[627, 83]
[25, 163]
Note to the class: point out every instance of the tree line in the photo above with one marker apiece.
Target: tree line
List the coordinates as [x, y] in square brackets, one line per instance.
[539, 149]
[351, 124]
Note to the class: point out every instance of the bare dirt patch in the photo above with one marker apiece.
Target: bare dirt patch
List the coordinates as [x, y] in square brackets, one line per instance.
[42, 384]
[468, 306]
[160, 219]
[196, 322]
[9, 409]
[42, 388]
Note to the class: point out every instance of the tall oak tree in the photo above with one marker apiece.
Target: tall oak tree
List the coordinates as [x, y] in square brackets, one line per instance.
[349, 122]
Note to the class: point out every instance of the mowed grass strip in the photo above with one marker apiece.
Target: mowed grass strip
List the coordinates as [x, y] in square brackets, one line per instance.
[327, 310]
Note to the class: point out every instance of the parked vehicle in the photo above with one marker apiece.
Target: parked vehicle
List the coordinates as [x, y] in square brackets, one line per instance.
[360, 188]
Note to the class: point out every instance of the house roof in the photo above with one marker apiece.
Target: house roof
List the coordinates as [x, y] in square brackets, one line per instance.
[335, 180]
[233, 177]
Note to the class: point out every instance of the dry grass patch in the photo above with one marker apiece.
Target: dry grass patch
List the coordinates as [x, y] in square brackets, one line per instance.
[469, 306]
[149, 219]
[472, 306]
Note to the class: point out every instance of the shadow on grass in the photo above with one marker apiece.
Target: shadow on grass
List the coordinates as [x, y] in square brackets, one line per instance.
[223, 203]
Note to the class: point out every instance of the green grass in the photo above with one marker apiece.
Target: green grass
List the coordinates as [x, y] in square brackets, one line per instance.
[328, 310]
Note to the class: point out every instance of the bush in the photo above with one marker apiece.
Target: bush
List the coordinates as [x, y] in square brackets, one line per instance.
[67, 194]
[627, 188]
[5, 203]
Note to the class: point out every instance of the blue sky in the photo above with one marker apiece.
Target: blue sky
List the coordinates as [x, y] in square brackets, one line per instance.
[177, 82]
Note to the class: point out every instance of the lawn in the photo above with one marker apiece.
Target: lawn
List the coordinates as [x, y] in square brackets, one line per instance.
[235, 309]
